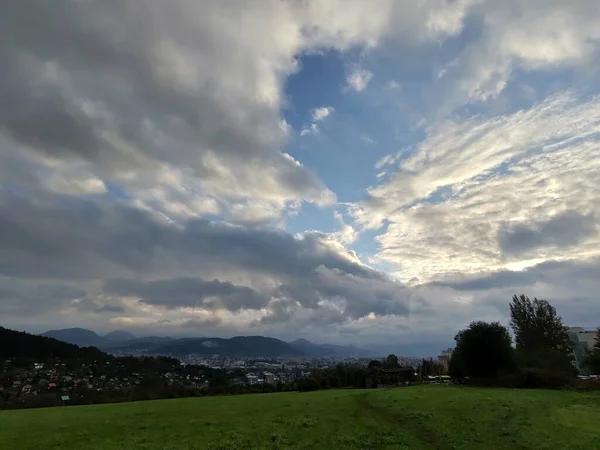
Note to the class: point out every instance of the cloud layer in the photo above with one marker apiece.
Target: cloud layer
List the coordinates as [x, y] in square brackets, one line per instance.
[130, 263]
[495, 193]
[148, 173]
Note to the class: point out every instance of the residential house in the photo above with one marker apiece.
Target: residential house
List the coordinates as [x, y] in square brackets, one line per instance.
[444, 358]
[268, 377]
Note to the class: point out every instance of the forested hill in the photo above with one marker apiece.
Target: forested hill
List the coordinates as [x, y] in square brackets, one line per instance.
[17, 344]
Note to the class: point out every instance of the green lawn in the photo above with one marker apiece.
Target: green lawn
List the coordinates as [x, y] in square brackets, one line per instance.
[427, 417]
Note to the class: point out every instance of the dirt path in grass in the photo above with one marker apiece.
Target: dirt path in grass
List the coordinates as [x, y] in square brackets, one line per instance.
[417, 424]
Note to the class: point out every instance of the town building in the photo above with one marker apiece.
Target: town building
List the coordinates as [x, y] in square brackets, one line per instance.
[583, 341]
[444, 358]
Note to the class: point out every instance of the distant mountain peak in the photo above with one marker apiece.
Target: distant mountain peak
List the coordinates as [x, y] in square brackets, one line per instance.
[302, 341]
[119, 335]
[77, 336]
[73, 330]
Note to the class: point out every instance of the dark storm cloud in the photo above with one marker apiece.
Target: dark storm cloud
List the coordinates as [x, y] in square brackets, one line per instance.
[100, 81]
[17, 298]
[73, 238]
[48, 121]
[58, 237]
[567, 273]
[211, 323]
[493, 280]
[109, 309]
[189, 292]
[564, 230]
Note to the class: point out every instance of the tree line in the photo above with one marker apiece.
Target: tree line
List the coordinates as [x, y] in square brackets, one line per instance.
[542, 354]
[345, 375]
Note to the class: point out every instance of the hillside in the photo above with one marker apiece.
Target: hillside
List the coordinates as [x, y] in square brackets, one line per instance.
[308, 348]
[76, 336]
[428, 417]
[118, 336]
[138, 344]
[16, 344]
[115, 340]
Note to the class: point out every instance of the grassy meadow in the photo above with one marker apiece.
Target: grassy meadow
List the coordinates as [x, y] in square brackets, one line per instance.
[422, 417]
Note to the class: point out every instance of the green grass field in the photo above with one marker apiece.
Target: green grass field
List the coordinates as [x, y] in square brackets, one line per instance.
[425, 417]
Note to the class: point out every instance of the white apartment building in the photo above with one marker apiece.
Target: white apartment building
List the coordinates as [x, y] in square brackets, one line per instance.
[583, 340]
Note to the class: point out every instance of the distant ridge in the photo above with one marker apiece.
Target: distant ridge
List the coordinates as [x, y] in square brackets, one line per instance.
[76, 336]
[138, 344]
[239, 346]
[118, 336]
[17, 344]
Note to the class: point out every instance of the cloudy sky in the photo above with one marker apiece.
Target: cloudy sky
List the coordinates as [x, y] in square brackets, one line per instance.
[344, 171]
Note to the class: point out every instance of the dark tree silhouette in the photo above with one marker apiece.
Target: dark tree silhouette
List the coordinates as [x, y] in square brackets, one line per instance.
[542, 341]
[375, 364]
[391, 362]
[483, 351]
[593, 355]
[536, 325]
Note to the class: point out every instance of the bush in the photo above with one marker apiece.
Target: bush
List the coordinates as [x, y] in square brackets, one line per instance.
[483, 351]
[536, 378]
[308, 384]
[587, 385]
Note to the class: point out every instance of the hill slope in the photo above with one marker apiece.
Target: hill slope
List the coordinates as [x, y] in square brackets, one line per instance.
[77, 336]
[310, 349]
[118, 336]
[138, 344]
[16, 344]
[427, 417]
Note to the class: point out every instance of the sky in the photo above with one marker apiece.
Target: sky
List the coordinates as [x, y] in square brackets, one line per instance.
[374, 173]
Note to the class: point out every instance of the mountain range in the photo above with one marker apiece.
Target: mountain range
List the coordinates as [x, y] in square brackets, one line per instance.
[239, 346]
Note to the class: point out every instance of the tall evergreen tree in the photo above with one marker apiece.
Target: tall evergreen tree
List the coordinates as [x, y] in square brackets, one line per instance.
[537, 326]
[542, 341]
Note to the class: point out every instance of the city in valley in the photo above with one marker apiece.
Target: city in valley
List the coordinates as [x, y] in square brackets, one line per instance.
[123, 372]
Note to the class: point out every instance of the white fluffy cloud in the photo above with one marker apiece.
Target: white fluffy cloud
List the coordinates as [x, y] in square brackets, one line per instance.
[532, 35]
[184, 89]
[141, 118]
[318, 115]
[322, 113]
[178, 104]
[494, 193]
[358, 79]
